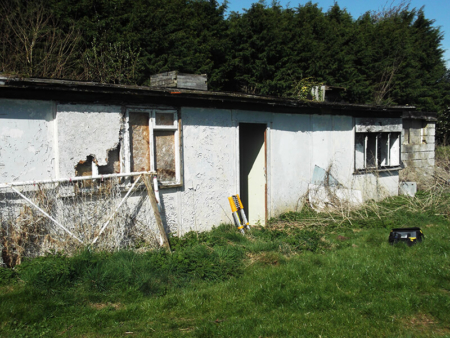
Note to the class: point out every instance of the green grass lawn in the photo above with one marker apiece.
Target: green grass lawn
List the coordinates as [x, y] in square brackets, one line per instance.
[304, 275]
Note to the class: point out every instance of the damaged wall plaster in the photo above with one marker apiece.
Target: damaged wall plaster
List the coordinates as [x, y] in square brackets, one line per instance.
[210, 157]
[86, 130]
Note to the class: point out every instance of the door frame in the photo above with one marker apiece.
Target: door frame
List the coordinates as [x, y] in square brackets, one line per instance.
[267, 160]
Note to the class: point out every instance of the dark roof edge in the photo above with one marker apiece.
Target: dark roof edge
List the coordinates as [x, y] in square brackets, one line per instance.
[189, 94]
[420, 115]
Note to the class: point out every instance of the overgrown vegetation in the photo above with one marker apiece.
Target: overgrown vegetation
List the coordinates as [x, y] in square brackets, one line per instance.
[304, 274]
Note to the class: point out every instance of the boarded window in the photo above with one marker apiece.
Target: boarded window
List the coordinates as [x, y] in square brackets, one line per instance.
[153, 141]
[360, 146]
[165, 155]
[164, 119]
[394, 149]
[139, 142]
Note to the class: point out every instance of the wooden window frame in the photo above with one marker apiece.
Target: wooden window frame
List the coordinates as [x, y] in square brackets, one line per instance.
[389, 158]
[153, 127]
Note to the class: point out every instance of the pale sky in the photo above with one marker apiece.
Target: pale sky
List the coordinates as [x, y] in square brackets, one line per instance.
[438, 10]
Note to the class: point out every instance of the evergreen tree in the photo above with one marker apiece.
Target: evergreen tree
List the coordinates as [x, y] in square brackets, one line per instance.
[389, 57]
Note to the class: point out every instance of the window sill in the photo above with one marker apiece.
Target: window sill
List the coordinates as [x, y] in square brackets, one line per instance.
[163, 185]
[170, 185]
[376, 170]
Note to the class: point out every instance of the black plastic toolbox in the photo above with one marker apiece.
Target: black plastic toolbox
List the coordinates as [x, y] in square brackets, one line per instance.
[408, 235]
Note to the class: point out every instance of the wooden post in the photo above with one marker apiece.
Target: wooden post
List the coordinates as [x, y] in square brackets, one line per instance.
[151, 196]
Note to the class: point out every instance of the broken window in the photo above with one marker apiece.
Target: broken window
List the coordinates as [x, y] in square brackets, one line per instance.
[377, 143]
[153, 143]
[377, 150]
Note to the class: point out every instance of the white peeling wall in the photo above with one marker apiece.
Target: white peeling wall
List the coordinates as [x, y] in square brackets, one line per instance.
[333, 146]
[301, 142]
[85, 130]
[209, 156]
[26, 140]
[290, 169]
[377, 185]
[295, 145]
[93, 130]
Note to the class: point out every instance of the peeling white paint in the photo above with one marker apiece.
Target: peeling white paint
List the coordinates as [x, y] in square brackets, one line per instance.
[210, 158]
[14, 133]
[209, 176]
[26, 146]
[86, 130]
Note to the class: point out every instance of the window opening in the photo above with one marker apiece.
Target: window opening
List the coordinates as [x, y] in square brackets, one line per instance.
[139, 142]
[164, 119]
[371, 151]
[377, 150]
[153, 138]
[165, 155]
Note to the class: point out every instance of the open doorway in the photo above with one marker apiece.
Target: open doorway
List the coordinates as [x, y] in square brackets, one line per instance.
[252, 168]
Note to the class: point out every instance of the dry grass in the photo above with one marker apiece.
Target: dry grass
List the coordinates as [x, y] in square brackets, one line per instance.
[424, 324]
[435, 196]
[83, 208]
[101, 306]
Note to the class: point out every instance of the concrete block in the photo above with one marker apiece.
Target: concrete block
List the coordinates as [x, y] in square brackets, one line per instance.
[430, 131]
[425, 163]
[423, 155]
[413, 148]
[429, 139]
[408, 189]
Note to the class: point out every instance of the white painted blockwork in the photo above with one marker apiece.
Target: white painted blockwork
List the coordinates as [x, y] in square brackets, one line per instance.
[210, 158]
[209, 155]
[26, 140]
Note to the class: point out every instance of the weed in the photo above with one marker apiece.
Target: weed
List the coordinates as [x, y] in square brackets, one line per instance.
[309, 273]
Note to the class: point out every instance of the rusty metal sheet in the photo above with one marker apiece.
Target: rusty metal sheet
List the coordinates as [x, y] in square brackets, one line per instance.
[139, 142]
[165, 155]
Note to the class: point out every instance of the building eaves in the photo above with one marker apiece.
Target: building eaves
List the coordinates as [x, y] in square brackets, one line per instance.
[67, 90]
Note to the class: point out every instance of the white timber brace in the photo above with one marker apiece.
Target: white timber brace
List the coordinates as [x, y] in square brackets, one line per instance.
[74, 179]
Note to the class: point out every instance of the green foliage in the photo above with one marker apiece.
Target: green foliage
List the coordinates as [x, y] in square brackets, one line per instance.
[303, 89]
[111, 63]
[278, 280]
[274, 281]
[390, 57]
[7, 276]
[443, 153]
[47, 273]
